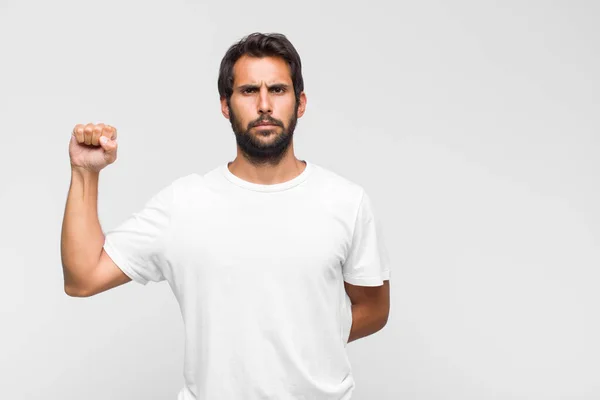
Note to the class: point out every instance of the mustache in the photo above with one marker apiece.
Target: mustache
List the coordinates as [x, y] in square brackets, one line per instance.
[269, 120]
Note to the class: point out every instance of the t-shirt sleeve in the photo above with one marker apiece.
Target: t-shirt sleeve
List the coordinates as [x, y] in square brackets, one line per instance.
[137, 245]
[368, 262]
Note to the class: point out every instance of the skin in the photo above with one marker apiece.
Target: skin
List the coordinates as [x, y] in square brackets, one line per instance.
[263, 90]
[88, 270]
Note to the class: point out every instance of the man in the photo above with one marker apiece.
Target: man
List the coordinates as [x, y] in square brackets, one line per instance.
[276, 263]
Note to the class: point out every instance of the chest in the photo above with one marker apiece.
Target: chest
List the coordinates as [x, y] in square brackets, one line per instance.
[261, 241]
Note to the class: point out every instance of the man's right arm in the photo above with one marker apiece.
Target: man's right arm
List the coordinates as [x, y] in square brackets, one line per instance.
[87, 269]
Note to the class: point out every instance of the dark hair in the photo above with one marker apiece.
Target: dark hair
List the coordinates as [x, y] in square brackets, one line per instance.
[260, 45]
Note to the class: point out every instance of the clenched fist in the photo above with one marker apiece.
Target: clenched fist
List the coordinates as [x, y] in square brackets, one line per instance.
[93, 146]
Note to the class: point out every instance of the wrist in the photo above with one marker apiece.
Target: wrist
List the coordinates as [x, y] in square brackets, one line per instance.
[82, 172]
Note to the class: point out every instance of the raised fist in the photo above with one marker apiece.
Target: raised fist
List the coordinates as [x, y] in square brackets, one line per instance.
[93, 146]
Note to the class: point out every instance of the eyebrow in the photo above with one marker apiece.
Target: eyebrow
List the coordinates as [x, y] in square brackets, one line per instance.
[254, 86]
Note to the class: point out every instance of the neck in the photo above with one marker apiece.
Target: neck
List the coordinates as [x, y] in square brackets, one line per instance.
[285, 169]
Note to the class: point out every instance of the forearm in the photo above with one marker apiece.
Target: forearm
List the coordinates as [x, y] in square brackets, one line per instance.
[82, 237]
[365, 322]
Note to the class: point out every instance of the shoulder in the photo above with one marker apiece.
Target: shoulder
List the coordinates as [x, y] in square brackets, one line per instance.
[337, 184]
[188, 184]
[195, 187]
[337, 191]
[198, 179]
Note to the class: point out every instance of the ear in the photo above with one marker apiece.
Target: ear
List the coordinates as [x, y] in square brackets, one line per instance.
[302, 105]
[224, 108]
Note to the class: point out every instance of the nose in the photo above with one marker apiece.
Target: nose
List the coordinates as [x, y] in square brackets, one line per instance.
[264, 102]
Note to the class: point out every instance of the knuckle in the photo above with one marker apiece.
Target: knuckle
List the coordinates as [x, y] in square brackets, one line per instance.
[113, 131]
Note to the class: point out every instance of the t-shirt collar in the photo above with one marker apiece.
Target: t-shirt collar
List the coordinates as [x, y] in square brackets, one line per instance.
[276, 187]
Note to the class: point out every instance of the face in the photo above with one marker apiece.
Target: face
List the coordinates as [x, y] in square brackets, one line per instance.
[262, 109]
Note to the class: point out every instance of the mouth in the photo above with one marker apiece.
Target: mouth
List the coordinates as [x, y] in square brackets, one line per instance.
[265, 124]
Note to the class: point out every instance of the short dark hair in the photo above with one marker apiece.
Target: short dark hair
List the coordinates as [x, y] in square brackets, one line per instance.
[260, 45]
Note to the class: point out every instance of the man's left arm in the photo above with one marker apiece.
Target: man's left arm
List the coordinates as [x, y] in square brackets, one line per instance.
[370, 308]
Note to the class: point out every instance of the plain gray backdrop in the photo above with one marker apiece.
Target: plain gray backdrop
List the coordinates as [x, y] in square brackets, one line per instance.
[473, 125]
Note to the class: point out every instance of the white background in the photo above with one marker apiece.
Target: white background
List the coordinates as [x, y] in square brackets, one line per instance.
[473, 126]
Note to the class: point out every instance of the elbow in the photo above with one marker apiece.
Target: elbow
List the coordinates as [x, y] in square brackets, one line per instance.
[72, 287]
[383, 319]
[73, 291]
[383, 322]
[69, 291]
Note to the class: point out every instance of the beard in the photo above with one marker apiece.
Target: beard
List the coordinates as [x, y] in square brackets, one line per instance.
[258, 151]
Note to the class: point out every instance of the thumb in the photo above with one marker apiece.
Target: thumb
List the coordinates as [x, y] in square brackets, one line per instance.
[107, 144]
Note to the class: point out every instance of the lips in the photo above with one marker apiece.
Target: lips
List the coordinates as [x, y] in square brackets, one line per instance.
[266, 121]
[265, 124]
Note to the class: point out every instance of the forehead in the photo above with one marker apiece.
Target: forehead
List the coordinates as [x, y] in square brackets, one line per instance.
[264, 69]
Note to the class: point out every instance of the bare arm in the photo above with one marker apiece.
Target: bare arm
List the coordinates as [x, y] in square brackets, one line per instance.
[82, 238]
[87, 269]
[370, 308]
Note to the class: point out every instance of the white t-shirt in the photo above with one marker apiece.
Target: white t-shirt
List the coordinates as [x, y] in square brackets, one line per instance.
[258, 273]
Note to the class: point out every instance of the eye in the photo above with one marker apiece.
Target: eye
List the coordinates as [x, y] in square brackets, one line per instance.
[278, 90]
[249, 90]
